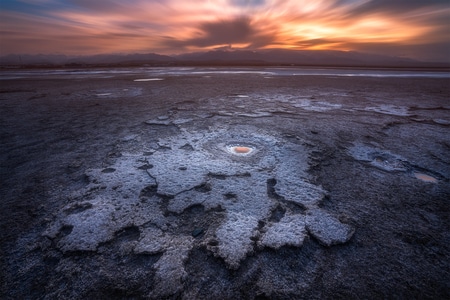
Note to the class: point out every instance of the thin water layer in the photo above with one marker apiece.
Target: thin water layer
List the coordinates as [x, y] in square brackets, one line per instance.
[239, 96]
[148, 79]
[263, 72]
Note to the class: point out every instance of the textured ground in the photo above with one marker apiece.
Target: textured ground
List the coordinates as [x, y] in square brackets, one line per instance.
[130, 186]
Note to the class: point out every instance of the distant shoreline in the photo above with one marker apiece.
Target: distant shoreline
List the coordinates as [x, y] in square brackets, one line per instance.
[220, 58]
[425, 67]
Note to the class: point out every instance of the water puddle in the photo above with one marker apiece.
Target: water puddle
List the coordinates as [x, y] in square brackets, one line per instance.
[240, 150]
[425, 177]
[148, 79]
[239, 96]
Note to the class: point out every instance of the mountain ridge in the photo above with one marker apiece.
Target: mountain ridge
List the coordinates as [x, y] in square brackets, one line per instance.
[224, 57]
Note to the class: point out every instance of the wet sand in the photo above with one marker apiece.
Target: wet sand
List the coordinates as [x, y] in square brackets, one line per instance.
[224, 185]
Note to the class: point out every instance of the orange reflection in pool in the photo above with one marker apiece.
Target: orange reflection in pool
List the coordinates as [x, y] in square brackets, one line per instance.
[241, 149]
[425, 177]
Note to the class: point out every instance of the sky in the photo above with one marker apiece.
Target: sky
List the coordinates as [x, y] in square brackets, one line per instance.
[418, 29]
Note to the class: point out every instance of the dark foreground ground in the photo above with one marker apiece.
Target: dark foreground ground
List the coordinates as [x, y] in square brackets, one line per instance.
[119, 189]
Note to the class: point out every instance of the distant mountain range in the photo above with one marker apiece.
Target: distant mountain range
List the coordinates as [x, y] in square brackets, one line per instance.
[41, 59]
[223, 57]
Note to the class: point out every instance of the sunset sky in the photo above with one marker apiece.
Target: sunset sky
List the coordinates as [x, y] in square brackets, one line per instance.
[417, 29]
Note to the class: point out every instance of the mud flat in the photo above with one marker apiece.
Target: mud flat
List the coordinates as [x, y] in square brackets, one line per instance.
[224, 183]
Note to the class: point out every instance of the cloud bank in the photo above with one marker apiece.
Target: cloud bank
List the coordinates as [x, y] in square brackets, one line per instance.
[411, 28]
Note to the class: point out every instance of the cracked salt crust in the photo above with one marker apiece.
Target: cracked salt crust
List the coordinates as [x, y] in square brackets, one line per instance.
[327, 229]
[390, 162]
[318, 106]
[289, 231]
[195, 168]
[379, 158]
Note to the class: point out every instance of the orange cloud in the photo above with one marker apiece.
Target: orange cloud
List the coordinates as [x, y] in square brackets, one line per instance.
[174, 26]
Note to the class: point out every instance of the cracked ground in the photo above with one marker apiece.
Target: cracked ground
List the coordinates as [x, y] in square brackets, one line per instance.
[231, 187]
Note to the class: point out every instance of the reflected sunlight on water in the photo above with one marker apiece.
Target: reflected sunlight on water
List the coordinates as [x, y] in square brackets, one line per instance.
[425, 177]
[240, 150]
[149, 79]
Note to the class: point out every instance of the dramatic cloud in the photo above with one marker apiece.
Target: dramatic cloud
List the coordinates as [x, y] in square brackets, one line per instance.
[400, 6]
[411, 28]
[237, 31]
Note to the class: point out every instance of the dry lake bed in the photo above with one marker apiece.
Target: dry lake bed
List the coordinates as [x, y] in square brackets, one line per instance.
[224, 183]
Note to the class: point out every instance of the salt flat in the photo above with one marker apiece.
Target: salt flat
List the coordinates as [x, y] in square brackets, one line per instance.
[247, 183]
